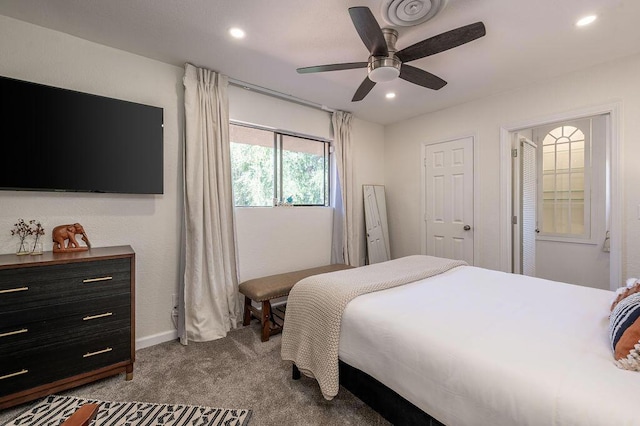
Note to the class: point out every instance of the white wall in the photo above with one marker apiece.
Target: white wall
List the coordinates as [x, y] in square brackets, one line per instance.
[150, 224]
[369, 160]
[282, 239]
[255, 108]
[614, 81]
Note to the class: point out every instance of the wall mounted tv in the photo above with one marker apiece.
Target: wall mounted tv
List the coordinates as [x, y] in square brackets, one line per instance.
[55, 139]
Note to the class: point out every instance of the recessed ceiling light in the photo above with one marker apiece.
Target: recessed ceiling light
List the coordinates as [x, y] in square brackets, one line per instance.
[236, 32]
[390, 95]
[586, 20]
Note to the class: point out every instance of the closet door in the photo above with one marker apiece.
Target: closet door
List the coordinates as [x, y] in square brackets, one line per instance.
[448, 206]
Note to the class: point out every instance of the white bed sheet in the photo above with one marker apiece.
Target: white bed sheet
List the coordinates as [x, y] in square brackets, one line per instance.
[476, 347]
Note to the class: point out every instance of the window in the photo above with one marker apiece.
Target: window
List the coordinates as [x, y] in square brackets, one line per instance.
[565, 199]
[252, 166]
[269, 166]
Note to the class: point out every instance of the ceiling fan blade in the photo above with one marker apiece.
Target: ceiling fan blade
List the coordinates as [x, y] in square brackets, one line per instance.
[363, 90]
[421, 78]
[442, 42]
[369, 30]
[332, 67]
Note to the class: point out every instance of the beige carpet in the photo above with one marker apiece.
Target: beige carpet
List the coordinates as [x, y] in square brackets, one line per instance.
[237, 371]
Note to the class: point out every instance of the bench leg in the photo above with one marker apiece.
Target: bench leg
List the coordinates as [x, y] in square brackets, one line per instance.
[266, 320]
[247, 311]
[268, 327]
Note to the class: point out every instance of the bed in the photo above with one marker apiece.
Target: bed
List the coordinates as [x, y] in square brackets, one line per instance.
[471, 346]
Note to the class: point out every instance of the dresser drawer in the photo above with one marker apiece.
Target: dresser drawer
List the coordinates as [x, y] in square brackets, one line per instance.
[30, 368]
[47, 285]
[38, 326]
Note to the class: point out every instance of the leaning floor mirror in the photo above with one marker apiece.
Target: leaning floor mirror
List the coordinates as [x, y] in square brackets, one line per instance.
[375, 217]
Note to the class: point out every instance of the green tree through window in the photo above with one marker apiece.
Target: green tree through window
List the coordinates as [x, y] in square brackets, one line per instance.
[268, 166]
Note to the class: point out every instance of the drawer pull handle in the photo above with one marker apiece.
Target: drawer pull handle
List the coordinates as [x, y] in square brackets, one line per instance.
[93, 280]
[92, 317]
[13, 290]
[11, 333]
[88, 354]
[17, 373]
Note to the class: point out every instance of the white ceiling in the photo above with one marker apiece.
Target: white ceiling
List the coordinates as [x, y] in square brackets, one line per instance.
[526, 41]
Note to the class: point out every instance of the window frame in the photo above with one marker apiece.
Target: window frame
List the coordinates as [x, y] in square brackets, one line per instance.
[587, 237]
[278, 135]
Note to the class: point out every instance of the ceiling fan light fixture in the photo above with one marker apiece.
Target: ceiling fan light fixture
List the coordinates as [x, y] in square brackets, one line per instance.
[381, 75]
[383, 69]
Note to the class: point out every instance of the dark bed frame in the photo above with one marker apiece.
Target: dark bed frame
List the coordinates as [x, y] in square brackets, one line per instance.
[385, 401]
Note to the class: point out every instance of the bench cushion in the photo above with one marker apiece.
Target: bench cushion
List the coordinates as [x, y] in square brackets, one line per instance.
[272, 286]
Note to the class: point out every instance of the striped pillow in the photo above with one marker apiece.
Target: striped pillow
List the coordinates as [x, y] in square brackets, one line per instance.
[624, 331]
[633, 286]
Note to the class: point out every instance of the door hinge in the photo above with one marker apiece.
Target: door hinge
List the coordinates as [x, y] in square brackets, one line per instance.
[424, 160]
[514, 220]
[514, 152]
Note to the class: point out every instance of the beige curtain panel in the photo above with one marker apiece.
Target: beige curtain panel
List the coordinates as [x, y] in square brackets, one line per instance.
[211, 300]
[346, 238]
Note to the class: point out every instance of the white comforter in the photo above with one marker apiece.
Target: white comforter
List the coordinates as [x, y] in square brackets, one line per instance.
[479, 347]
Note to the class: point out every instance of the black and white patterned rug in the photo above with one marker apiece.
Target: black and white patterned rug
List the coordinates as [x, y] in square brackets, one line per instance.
[54, 409]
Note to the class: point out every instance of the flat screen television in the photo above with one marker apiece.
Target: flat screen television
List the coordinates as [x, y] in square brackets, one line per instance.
[54, 139]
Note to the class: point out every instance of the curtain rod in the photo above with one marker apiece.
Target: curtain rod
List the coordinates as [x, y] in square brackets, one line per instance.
[278, 95]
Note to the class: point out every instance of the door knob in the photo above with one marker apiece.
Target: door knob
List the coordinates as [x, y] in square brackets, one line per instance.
[466, 227]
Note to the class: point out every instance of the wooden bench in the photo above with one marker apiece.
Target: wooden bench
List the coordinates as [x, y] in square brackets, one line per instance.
[264, 289]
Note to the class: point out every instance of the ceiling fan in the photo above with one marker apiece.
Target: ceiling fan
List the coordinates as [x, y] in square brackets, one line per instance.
[386, 63]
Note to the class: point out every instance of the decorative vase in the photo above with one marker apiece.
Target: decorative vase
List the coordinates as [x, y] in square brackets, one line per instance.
[22, 248]
[36, 249]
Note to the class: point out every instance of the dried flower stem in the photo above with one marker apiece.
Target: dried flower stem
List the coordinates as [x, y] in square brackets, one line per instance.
[37, 231]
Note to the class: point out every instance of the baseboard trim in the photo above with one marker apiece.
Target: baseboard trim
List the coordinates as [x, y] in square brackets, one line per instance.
[156, 339]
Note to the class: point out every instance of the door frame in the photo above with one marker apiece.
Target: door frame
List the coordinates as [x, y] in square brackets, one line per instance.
[614, 110]
[516, 199]
[423, 190]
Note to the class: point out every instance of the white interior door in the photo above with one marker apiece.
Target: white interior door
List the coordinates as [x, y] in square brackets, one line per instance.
[375, 215]
[448, 206]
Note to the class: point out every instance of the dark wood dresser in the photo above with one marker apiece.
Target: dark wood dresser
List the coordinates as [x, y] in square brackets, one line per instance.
[66, 319]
